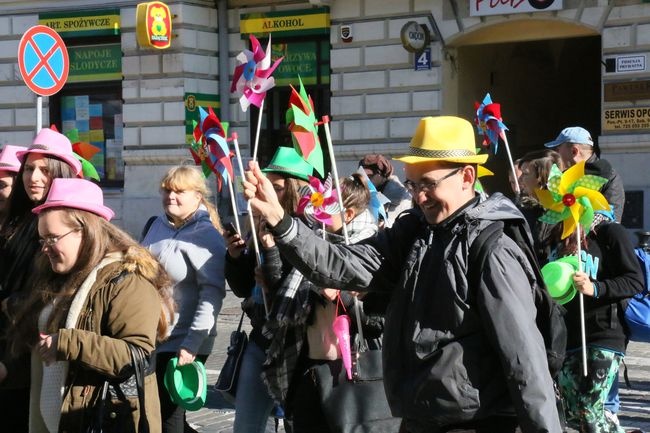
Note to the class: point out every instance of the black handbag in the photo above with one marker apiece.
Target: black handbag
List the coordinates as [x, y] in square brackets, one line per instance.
[358, 405]
[227, 381]
[112, 412]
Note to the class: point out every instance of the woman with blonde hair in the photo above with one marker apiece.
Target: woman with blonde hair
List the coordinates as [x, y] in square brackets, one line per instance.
[98, 293]
[187, 241]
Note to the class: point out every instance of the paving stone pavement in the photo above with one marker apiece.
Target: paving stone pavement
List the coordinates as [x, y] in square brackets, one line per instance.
[218, 415]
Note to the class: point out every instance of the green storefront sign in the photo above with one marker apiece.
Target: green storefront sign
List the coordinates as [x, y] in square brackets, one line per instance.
[300, 58]
[95, 63]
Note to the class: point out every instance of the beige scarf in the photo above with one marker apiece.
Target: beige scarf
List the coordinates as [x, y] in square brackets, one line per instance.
[48, 381]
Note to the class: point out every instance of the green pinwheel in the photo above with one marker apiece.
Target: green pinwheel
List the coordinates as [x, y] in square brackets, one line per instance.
[572, 197]
[304, 130]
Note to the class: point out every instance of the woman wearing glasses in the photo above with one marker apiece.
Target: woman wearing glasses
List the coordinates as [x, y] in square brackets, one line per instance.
[49, 157]
[97, 294]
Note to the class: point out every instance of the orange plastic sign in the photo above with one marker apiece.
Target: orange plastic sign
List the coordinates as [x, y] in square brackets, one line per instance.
[154, 25]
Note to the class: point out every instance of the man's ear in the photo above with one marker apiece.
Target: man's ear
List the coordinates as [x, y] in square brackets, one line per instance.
[350, 214]
[575, 150]
[469, 175]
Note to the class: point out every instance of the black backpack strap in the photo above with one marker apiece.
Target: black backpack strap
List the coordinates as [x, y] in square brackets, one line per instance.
[138, 359]
[479, 249]
[147, 226]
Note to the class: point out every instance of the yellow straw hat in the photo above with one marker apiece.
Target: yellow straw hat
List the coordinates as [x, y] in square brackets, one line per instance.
[444, 138]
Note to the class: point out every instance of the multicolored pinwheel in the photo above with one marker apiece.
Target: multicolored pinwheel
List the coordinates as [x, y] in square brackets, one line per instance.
[301, 121]
[210, 148]
[489, 123]
[84, 152]
[319, 201]
[252, 77]
[572, 197]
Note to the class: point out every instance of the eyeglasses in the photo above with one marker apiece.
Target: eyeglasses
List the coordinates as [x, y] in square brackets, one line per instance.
[417, 187]
[50, 241]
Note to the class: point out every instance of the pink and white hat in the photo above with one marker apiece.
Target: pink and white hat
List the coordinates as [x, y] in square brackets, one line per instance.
[8, 159]
[76, 194]
[52, 143]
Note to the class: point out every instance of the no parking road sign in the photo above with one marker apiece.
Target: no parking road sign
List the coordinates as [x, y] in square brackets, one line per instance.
[43, 60]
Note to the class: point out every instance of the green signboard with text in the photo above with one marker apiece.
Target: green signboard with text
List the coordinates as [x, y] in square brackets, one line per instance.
[95, 63]
[300, 58]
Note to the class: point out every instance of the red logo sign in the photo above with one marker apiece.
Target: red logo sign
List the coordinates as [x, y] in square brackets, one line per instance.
[43, 60]
[154, 25]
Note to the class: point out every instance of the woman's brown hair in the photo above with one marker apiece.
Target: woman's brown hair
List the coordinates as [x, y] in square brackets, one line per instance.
[19, 202]
[355, 193]
[99, 237]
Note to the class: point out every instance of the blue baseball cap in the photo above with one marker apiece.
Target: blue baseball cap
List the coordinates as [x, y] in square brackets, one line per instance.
[572, 134]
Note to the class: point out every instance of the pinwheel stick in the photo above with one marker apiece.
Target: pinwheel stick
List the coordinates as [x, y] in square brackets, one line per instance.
[582, 312]
[337, 185]
[512, 165]
[233, 204]
[257, 130]
[256, 246]
[335, 174]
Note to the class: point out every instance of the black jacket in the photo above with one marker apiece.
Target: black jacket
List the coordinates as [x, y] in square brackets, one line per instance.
[613, 190]
[610, 260]
[452, 353]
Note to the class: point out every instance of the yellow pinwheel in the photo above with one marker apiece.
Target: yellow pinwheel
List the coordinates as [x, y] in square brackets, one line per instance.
[572, 197]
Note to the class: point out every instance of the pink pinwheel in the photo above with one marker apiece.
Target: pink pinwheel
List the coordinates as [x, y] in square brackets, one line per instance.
[489, 123]
[252, 78]
[319, 202]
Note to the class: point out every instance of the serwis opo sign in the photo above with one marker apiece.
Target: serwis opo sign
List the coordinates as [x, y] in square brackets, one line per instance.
[415, 37]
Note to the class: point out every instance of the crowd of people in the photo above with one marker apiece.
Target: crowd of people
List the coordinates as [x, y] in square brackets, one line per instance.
[459, 354]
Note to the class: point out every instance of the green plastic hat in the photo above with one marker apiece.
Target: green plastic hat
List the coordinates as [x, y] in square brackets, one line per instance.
[288, 162]
[558, 276]
[187, 384]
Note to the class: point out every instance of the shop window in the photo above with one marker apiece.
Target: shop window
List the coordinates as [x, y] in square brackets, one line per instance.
[91, 100]
[91, 103]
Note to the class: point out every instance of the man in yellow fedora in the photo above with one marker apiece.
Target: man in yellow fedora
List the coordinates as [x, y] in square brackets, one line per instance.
[456, 358]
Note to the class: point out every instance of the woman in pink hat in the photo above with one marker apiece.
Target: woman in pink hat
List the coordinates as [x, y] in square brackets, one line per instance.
[49, 157]
[97, 294]
[9, 166]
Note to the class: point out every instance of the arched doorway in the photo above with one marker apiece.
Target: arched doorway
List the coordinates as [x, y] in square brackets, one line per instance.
[545, 74]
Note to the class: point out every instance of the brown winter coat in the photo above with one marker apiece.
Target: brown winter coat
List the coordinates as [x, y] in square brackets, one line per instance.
[114, 313]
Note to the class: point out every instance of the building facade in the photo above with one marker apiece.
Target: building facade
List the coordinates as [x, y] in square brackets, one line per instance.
[550, 63]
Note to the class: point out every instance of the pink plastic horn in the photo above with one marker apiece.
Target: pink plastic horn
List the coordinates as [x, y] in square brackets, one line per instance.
[341, 327]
